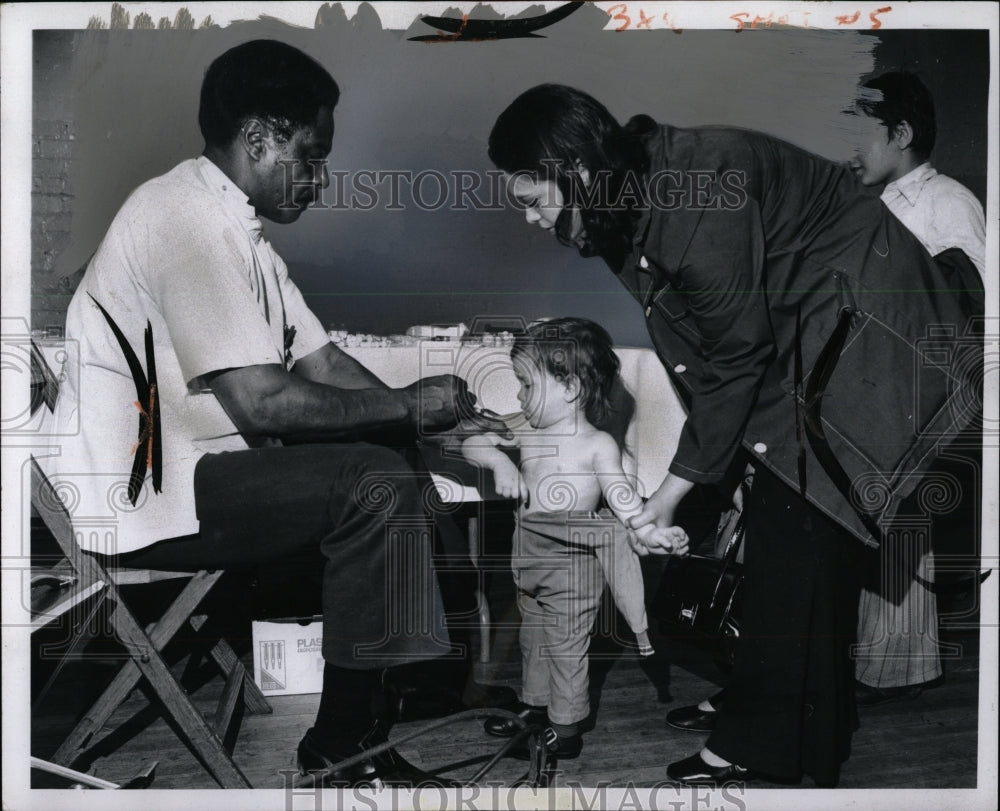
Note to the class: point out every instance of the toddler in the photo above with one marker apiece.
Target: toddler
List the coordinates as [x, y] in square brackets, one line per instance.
[564, 548]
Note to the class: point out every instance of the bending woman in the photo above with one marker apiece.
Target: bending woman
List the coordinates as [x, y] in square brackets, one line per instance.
[792, 312]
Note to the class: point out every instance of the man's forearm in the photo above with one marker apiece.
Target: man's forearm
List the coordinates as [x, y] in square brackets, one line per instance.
[268, 401]
[334, 367]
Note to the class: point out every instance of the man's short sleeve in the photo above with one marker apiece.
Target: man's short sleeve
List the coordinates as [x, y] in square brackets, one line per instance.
[201, 273]
[309, 332]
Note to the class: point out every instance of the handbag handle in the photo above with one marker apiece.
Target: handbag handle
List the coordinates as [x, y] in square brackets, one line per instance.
[736, 539]
[732, 546]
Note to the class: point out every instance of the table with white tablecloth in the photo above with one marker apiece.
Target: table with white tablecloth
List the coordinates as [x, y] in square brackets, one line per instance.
[652, 434]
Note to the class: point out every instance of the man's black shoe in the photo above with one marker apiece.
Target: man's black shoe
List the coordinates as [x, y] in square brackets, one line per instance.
[563, 747]
[312, 757]
[695, 719]
[694, 771]
[501, 727]
[392, 769]
[387, 768]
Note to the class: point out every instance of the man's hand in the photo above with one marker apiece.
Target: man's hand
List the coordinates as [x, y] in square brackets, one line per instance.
[466, 419]
[440, 402]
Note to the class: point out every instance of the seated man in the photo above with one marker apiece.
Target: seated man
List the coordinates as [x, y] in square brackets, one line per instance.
[210, 400]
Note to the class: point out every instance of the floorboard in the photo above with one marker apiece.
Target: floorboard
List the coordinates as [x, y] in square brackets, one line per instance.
[930, 742]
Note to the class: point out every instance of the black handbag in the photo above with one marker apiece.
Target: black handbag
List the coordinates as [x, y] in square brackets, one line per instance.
[699, 596]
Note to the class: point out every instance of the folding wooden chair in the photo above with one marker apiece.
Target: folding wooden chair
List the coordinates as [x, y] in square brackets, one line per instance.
[144, 646]
[88, 579]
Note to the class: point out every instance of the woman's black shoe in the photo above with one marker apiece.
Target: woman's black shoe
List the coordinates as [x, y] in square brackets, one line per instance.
[500, 727]
[694, 771]
[695, 719]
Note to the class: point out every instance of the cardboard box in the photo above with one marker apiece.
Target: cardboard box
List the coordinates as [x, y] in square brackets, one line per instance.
[288, 656]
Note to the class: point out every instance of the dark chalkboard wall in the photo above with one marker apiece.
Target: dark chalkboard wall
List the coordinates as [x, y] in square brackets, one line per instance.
[130, 100]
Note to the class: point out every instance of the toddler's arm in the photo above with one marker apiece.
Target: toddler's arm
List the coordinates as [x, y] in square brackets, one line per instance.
[483, 450]
[625, 503]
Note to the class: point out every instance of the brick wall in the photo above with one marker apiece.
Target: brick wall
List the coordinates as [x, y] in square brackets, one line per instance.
[52, 152]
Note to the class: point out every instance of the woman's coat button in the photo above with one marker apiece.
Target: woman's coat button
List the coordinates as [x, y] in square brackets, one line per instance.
[680, 368]
[643, 263]
[760, 447]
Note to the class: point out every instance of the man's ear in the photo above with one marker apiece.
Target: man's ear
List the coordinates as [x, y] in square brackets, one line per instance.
[902, 135]
[253, 137]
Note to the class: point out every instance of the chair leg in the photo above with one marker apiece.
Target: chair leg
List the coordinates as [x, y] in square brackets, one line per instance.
[228, 661]
[201, 736]
[128, 676]
[147, 660]
[225, 657]
[78, 640]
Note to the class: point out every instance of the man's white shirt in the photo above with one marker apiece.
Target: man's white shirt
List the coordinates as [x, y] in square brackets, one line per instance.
[940, 212]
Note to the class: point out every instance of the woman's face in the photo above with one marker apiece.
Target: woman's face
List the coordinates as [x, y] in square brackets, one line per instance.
[543, 203]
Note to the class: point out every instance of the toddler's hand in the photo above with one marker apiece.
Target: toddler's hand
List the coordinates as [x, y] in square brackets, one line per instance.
[508, 482]
[667, 541]
[679, 540]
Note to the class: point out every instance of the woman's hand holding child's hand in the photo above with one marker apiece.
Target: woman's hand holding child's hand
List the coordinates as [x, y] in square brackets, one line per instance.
[660, 541]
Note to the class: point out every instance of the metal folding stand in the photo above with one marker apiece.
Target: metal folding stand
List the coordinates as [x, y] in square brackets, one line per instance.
[533, 778]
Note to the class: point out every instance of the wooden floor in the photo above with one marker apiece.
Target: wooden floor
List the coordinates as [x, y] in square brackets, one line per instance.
[930, 742]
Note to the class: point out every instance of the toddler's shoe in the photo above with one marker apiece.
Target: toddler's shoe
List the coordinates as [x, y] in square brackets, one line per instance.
[565, 747]
[500, 727]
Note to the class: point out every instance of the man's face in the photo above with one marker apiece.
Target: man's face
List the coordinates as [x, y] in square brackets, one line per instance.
[292, 173]
[877, 157]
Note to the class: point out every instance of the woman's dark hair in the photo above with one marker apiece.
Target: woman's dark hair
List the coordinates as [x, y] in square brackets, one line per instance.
[904, 98]
[552, 131]
[267, 79]
[575, 347]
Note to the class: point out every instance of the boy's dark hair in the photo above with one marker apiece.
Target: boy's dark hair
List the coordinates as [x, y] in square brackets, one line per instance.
[576, 347]
[266, 79]
[550, 132]
[904, 98]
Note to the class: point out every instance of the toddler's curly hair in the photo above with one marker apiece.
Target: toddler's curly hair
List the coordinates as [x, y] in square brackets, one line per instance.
[575, 347]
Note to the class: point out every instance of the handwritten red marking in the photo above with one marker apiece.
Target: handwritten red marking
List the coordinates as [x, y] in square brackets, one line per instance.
[668, 21]
[846, 19]
[876, 22]
[146, 434]
[620, 16]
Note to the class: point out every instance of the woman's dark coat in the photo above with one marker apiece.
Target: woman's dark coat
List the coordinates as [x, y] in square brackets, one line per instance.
[749, 255]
